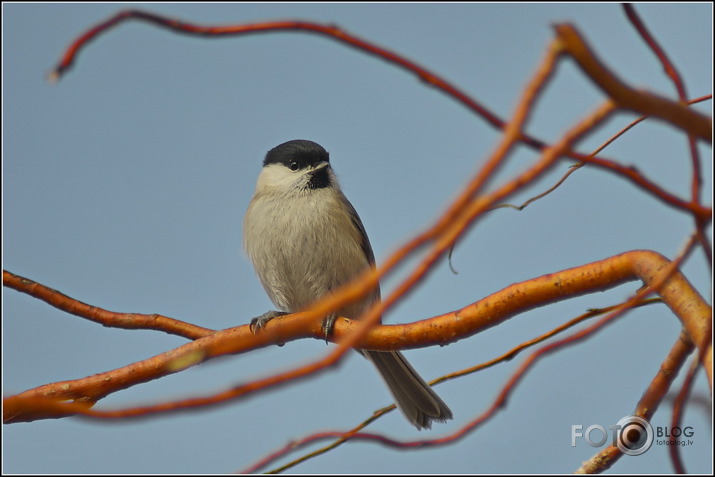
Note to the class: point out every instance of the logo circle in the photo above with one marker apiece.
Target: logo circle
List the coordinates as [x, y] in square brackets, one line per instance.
[634, 435]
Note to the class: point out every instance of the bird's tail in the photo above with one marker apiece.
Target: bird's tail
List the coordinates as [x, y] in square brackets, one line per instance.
[414, 397]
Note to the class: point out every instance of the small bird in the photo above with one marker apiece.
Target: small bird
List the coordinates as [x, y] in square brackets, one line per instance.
[305, 240]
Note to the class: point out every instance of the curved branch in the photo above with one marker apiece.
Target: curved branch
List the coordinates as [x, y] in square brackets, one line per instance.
[670, 70]
[648, 404]
[129, 321]
[642, 102]
[294, 445]
[664, 274]
[335, 33]
[332, 32]
[48, 401]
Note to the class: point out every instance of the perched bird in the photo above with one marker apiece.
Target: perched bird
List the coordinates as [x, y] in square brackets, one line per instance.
[305, 240]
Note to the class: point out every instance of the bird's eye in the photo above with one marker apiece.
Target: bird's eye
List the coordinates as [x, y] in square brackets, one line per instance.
[294, 166]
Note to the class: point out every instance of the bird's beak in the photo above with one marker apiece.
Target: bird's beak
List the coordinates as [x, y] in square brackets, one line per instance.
[320, 167]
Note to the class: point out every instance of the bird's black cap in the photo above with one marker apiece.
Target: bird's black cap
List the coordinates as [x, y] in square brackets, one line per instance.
[299, 152]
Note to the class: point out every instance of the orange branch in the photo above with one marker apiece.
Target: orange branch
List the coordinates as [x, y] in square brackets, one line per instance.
[346, 436]
[700, 213]
[642, 102]
[672, 72]
[50, 400]
[129, 321]
[330, 31]
[657, 280]
[648, 404]
[463, 214]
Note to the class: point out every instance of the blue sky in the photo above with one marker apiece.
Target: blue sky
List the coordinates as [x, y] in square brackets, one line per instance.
[124, 186]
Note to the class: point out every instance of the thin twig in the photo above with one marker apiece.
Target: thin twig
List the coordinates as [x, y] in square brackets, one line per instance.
[129, 321]
[509, 355]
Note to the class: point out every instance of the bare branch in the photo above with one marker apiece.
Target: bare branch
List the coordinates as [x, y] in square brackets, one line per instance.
[628, 98]
[129, 321]
[51, 400]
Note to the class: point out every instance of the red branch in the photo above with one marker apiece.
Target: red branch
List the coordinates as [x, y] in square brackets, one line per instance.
[128, 321]
[577, 48]
[672, 72]
[330, 31]
[668, 66]
[660, 277]
[626, 97]
[444, 234]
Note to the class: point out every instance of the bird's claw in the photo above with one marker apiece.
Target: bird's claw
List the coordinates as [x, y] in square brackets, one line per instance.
[260, 321]
[328, 325]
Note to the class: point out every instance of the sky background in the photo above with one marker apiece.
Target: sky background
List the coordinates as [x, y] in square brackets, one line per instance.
[125, 185]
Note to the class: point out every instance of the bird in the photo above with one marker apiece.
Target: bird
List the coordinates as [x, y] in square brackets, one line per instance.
[305, 239]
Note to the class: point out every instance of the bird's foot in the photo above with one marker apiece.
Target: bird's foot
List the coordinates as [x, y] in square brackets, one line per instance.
[260, 321]
[328, 325]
